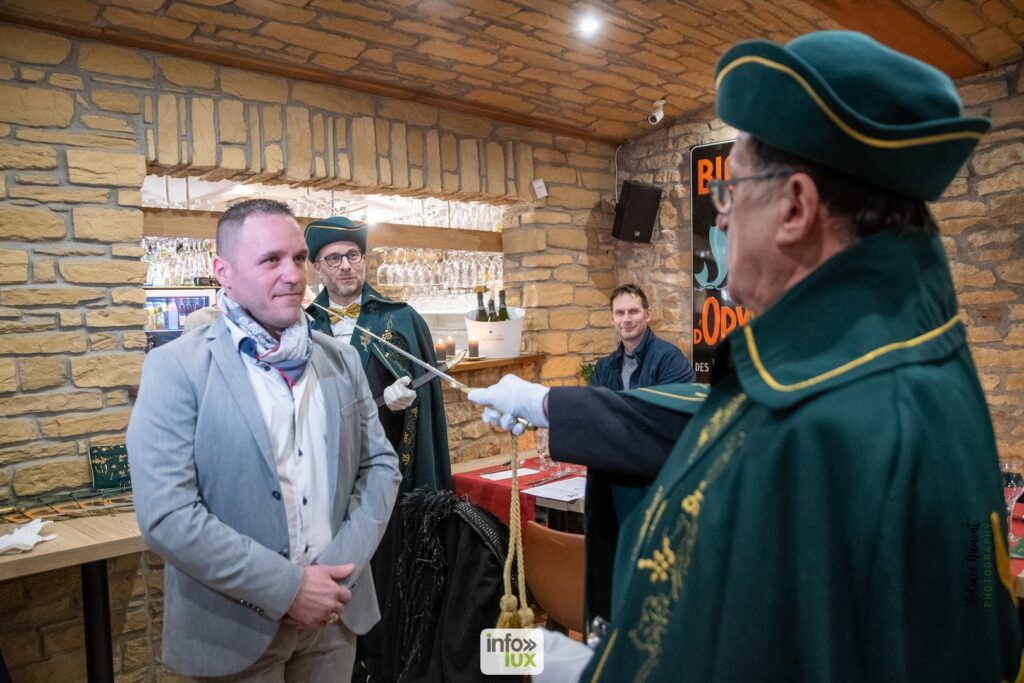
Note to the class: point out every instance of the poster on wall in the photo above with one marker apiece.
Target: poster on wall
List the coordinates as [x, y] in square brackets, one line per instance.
[714, 313]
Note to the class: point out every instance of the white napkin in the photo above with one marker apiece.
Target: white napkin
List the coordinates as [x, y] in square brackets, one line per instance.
[25, 537]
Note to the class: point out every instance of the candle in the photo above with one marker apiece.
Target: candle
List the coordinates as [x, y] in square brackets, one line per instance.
[474, 348]
[440, 350]
[449, 346]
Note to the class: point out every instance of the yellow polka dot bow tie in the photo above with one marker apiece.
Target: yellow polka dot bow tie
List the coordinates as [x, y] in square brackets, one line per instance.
[338, 312]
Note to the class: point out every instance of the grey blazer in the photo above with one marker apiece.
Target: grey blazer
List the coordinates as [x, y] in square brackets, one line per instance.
[207, 497]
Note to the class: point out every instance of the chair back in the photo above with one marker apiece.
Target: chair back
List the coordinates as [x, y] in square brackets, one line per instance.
[554, 572]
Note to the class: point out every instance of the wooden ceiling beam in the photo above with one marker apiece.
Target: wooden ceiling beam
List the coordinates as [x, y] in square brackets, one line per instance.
[211, 55]
[892, 23]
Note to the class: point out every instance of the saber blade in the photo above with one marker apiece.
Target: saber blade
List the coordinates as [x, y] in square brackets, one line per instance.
[464, 388]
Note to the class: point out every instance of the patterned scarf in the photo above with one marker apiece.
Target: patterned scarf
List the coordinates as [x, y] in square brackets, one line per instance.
[288, 356]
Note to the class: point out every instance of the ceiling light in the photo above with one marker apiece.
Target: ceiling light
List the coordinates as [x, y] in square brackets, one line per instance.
[589, 24]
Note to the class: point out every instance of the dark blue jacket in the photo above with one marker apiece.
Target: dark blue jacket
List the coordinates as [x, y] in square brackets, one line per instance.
[657, 362]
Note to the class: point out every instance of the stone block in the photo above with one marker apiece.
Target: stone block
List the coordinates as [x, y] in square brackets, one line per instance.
[233, 159]
[116, 317]
[332, 98]
[462, 124]
[37, 372]
[547, 294]
[31, 224]
[74, 424]
[122, 103]
[399, 156]
[469, 165]
[330, 43]
[59, 194]
[560, 367]
[152, 23]
[523, 241]
[32, 480]
[113, 60]
[571, 273]
[588, 296]
[552, 343]
[50, 402]
[48, 296]
[91, 167]
[13, 266]
[8, 376]
[590, 341]
[133, 340]
[108, 123]
[495, 169]
[525, 170]
[231, 117]
[412, 113]
[299, 141]
[36, 107]
[105, 341]
[106, 141]
[106, 370]
[82, 271]
[204, 134]
[433, 162]
[48, 342]
[167, 132]
[13, 431]
[108, 224]
[567, 238]
[364, 151]
[33, 47]
[20, 155]
[253, 86]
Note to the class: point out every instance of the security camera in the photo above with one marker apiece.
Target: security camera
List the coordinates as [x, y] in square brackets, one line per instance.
[655, 117]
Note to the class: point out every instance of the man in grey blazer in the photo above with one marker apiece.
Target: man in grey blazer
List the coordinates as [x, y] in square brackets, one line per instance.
[262, 475]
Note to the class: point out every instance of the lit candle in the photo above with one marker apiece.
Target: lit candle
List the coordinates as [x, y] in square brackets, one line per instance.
[449, 346]
[440, 350]
[474, 348]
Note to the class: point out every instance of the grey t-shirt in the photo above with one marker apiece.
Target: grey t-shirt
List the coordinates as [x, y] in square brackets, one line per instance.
[628, 366]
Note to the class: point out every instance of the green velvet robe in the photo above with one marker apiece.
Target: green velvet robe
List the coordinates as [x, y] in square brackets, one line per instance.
[423, 445]
[833, 512]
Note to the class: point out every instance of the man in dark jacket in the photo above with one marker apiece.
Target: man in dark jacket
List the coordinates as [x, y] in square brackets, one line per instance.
[641, 360]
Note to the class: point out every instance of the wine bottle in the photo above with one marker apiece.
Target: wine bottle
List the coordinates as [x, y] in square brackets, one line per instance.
[481, 312]
[492, 315]
[502, 309]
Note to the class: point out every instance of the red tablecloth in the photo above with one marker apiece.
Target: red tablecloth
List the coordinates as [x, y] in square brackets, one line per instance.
[496, 496]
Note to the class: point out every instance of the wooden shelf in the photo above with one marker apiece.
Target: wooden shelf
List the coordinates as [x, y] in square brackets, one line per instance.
[470, 365]
[203, 225]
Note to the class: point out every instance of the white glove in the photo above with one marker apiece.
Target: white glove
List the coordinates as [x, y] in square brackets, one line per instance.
[564, 659]
[399, 396]
[25, 537]
[510, 398]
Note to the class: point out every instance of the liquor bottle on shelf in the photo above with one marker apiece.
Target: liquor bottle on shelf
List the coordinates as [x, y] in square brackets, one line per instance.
[172, 314]
[492, 315]
[481, 312]
[502, 309]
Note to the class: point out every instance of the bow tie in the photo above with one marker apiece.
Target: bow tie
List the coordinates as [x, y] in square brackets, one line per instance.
[339, 312]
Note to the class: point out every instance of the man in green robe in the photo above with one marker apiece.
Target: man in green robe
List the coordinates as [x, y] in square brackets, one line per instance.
[833, 510]
[413, 420]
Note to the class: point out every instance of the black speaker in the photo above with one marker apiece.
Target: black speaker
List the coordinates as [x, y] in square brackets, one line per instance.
[636, 212]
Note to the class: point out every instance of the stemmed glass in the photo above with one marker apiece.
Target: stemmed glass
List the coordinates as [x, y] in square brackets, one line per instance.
[543, 454]
[1013, 486]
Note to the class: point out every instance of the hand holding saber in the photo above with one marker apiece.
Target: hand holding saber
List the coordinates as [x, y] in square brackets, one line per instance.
[456, 384]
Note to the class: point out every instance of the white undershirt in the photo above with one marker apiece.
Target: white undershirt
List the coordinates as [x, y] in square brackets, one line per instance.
[296, 420]
[342, 328]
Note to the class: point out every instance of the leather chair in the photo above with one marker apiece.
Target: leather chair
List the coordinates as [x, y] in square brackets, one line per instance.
[554, 572]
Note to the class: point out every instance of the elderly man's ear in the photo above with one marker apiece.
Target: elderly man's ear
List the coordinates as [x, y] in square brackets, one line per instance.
[801, 210]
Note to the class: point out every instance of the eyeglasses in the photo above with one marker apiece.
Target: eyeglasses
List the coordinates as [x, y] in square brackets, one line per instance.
[721, 190]
[334, 260]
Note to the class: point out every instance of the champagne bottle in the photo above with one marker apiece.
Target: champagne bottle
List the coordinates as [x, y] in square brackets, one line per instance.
[502, 309]
[492, 315]
[481, 312]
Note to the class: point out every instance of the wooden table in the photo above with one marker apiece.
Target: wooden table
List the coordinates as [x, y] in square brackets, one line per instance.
[467, 468]
[88, 542]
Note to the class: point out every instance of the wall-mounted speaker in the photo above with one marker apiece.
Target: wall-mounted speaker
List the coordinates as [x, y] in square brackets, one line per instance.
[636, 211]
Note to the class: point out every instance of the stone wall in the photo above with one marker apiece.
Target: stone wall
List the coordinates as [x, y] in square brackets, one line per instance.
[981, 216]
[80, 124]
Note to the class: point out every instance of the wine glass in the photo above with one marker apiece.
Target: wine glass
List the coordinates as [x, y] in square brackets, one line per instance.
[1013, 486]
[543, 454]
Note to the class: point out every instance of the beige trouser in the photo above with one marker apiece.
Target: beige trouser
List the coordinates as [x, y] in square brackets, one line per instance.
[301, 654]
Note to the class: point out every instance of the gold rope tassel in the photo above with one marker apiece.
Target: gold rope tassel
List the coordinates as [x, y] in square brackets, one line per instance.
[510, 617]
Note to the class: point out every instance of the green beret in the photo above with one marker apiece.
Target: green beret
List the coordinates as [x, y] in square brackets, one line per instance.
[847, 102]
[323, 231]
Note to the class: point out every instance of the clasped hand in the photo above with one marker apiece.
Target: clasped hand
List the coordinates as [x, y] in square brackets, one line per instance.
[510, 399]
[399, 396]
[320, 600]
